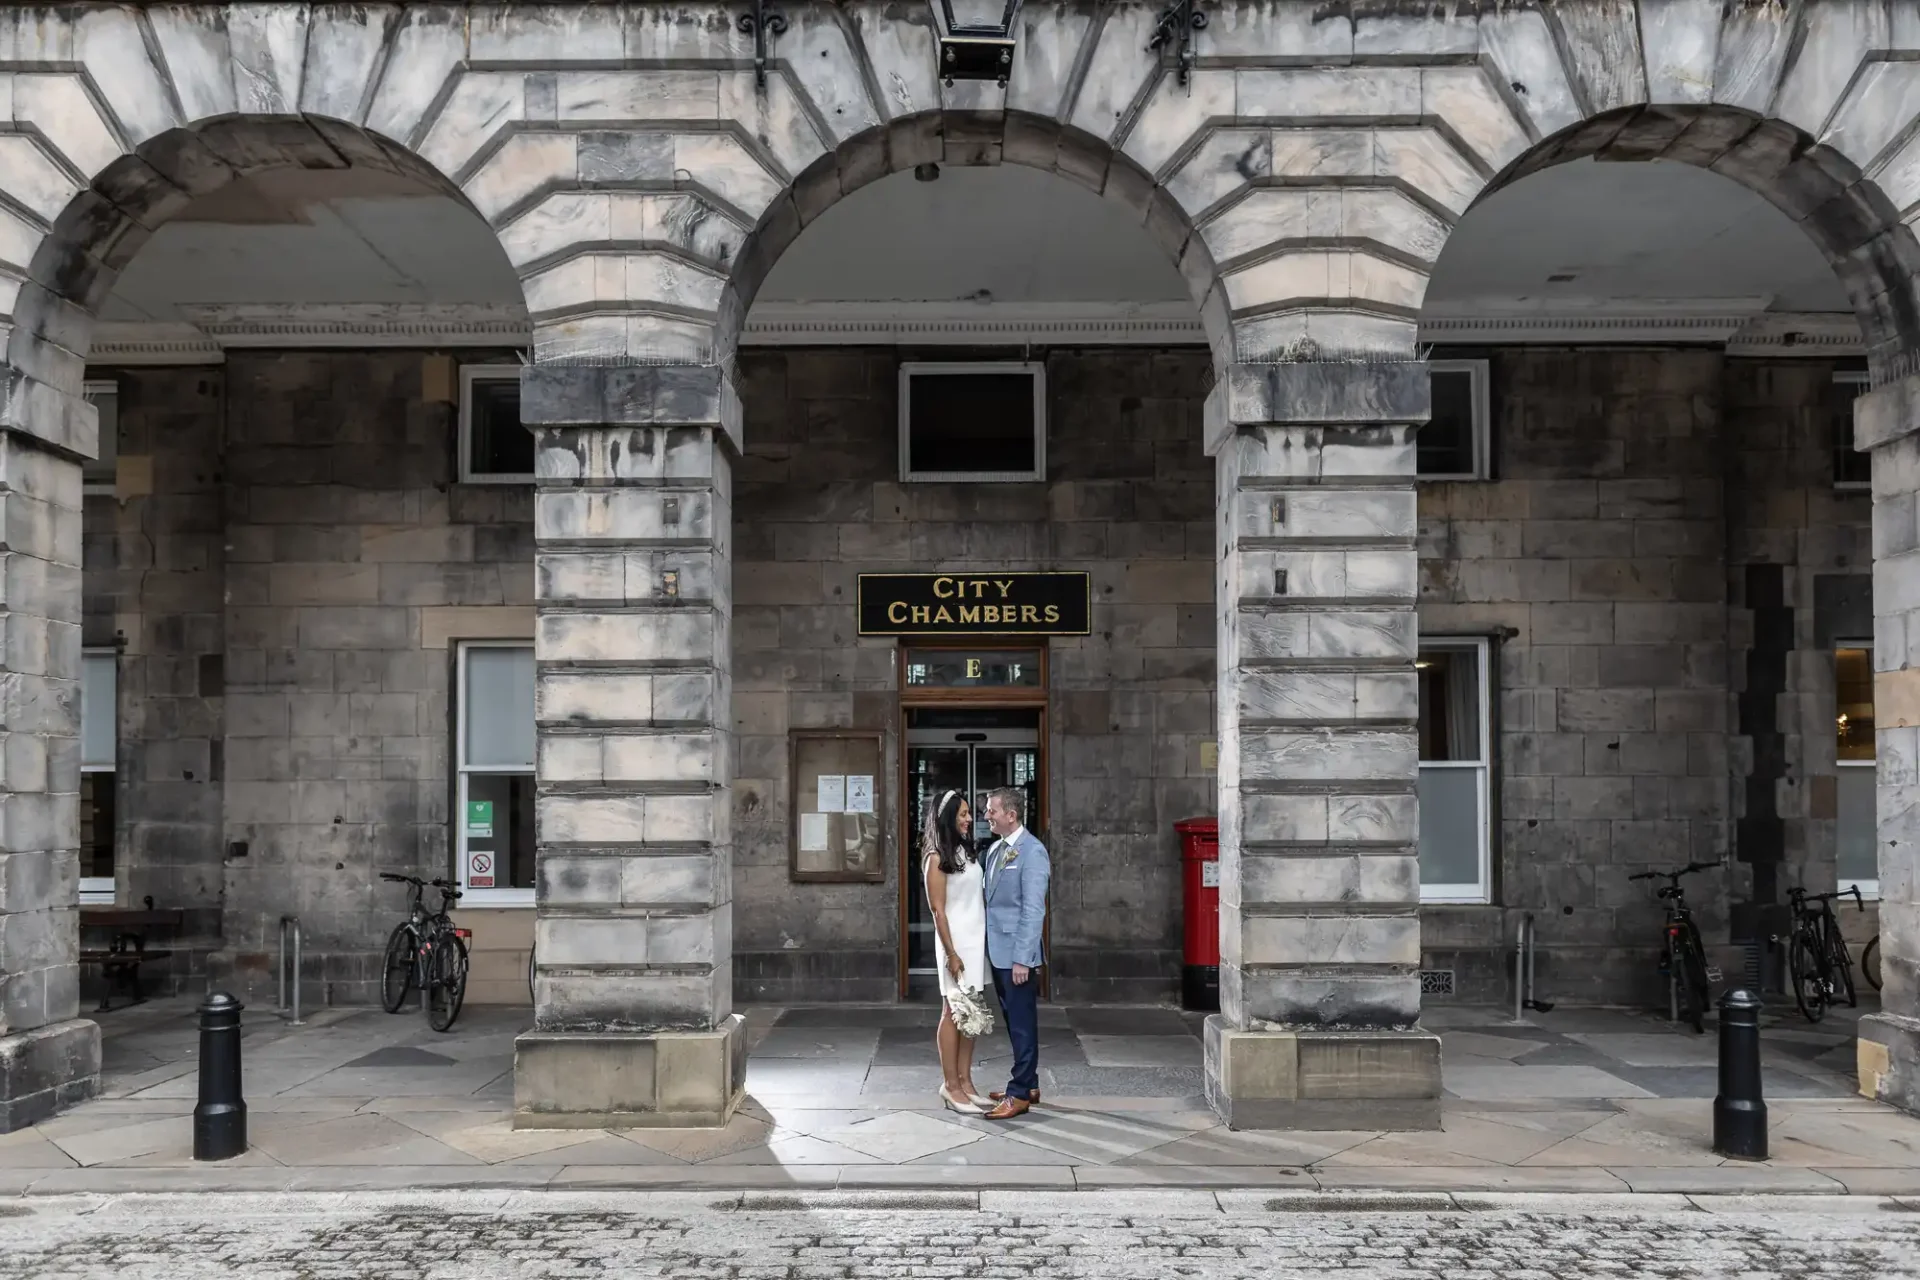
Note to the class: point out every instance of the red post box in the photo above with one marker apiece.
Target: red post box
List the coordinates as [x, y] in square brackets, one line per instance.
[1200, 863]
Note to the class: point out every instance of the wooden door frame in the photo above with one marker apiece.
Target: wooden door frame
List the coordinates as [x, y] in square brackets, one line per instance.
[1022, 699]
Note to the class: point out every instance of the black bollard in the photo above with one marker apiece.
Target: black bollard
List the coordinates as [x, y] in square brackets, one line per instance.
[1739, 1115]
[220, 1121]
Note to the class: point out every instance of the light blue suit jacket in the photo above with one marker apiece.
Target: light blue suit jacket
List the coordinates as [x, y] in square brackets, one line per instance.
[1016, 889]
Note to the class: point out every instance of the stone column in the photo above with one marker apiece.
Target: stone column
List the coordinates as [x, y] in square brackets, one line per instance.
[634, 1021]
[1887, 422]
[48, 1056]
[1319, 830]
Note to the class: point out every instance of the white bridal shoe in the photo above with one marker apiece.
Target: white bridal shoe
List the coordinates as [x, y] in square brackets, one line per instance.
[954, 1104]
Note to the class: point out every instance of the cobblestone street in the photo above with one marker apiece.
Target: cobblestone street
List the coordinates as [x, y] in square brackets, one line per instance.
[484, 1235]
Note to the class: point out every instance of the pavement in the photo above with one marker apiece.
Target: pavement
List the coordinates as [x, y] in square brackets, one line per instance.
[842, 1098]
[993, 1235]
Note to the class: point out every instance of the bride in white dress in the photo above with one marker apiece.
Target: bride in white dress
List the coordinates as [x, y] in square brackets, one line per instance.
[954, 893]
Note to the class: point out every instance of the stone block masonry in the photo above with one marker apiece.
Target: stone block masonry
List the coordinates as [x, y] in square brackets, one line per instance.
[1128, 498]
[49, 1057]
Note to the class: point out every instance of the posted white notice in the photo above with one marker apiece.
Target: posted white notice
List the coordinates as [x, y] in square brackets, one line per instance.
[859, 793]
[813, 833]
[832, 790]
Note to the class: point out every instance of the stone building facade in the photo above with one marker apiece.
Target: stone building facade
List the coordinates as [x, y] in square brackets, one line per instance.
[644, 168]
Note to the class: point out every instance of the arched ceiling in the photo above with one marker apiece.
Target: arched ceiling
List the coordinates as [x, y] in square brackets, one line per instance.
[976, 243]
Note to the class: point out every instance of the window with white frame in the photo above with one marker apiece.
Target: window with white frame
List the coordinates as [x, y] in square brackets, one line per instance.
[97, 476]
[1455, 754]
[1852, 468]
[99, 748]
[1453, 444]
[983, 423]
[1857, 829]
[495, 448]
[494, 750]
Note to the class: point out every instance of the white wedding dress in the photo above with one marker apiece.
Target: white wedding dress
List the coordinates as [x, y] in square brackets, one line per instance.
[967, 922]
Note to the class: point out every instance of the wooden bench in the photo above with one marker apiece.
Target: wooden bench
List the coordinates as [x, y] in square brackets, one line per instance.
[121, 959]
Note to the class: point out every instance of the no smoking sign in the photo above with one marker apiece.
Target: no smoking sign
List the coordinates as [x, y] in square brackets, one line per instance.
[480, 871]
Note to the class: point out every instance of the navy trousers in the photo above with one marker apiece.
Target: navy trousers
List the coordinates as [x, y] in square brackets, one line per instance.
[1020, 1001]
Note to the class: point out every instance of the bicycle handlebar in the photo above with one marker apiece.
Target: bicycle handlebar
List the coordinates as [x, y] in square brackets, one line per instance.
[1674, 876]
[1801, 895]
[446, 885]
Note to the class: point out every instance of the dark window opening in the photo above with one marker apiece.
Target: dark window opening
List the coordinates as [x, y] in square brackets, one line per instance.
[96, 826]
[1851, 466]
[972, 424]
[1446, 445]
[497, 445]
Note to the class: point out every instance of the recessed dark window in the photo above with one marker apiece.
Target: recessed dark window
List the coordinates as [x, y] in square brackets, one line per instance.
[98, 475]
[497, 446]
[1450, 442]
[971, 422]
[1852, 468]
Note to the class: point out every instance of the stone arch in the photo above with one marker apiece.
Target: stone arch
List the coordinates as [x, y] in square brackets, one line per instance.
[1846, 215]
[959, 139]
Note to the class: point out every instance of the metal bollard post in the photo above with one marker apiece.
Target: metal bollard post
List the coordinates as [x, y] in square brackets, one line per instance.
[220, 1120]
[1739, 1114]
[293, 923]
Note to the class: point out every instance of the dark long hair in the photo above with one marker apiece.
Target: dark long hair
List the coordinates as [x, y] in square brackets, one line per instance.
[942, 834]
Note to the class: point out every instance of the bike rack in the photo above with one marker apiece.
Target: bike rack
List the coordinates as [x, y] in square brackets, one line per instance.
[290, 924]
[1524, 949]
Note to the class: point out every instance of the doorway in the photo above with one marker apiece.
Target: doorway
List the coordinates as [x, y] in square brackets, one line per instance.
[972, 722]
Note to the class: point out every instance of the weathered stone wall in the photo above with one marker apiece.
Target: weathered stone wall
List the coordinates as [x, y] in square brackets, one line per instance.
[1641, 498]
[1129, 499]
[1800, 569]
[304, 716]
[154, 588]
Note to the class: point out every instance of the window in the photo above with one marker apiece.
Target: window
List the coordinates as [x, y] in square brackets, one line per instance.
[1452, 445]
[973, 422]
[1857, 828]
[1852, 468]
[494, 744]
[494, 447]
[99, 745]
[1455, 855]
[97, 476]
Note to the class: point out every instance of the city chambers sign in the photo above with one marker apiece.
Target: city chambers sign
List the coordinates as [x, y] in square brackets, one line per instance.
[975, 604]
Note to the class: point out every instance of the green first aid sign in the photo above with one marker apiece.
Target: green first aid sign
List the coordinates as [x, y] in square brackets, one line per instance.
[479, 818]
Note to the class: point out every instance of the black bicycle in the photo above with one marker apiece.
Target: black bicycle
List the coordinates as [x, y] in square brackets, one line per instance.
[1684, 956]
[1817, 956]
[426, 952]
[1870, 962]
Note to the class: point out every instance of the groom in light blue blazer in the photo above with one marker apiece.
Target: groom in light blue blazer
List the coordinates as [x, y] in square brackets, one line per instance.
[1017, 870]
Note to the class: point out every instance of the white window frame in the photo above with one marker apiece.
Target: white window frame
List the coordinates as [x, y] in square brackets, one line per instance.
[1038, 372]
[1482, 415]
[1481, 892]
[1857, 378]
[1868, 888]
[92, 391]
[100, 890]
[498, 897]
[470, 374]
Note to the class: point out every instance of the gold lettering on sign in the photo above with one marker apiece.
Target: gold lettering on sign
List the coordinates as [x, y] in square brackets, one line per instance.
[1029, 614]
[922, 615]
[973, 667]
[1006, 587]
[970, 613]
[941, 615]
[897, 613]
[943, 588]
[1053, 613]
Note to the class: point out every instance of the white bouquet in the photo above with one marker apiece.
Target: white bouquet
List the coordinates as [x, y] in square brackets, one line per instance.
[972, 1016]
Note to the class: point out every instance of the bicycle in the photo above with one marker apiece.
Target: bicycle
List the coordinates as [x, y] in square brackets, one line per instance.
[426, 952]
[1684, 956]
[1870, 962]
[1817, 956]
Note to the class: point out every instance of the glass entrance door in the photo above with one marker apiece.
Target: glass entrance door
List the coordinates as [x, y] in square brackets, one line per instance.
[973, 752]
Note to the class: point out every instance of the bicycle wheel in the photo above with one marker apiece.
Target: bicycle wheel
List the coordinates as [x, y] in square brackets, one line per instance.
[1840, 965]
[397, 972]
[531, 970]
[1690, 969]
[1870, 963]
[446, 981]
[1809, 982]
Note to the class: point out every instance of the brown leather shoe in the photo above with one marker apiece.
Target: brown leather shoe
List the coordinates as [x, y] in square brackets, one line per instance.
[1009, 1108]
[999, 1095]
